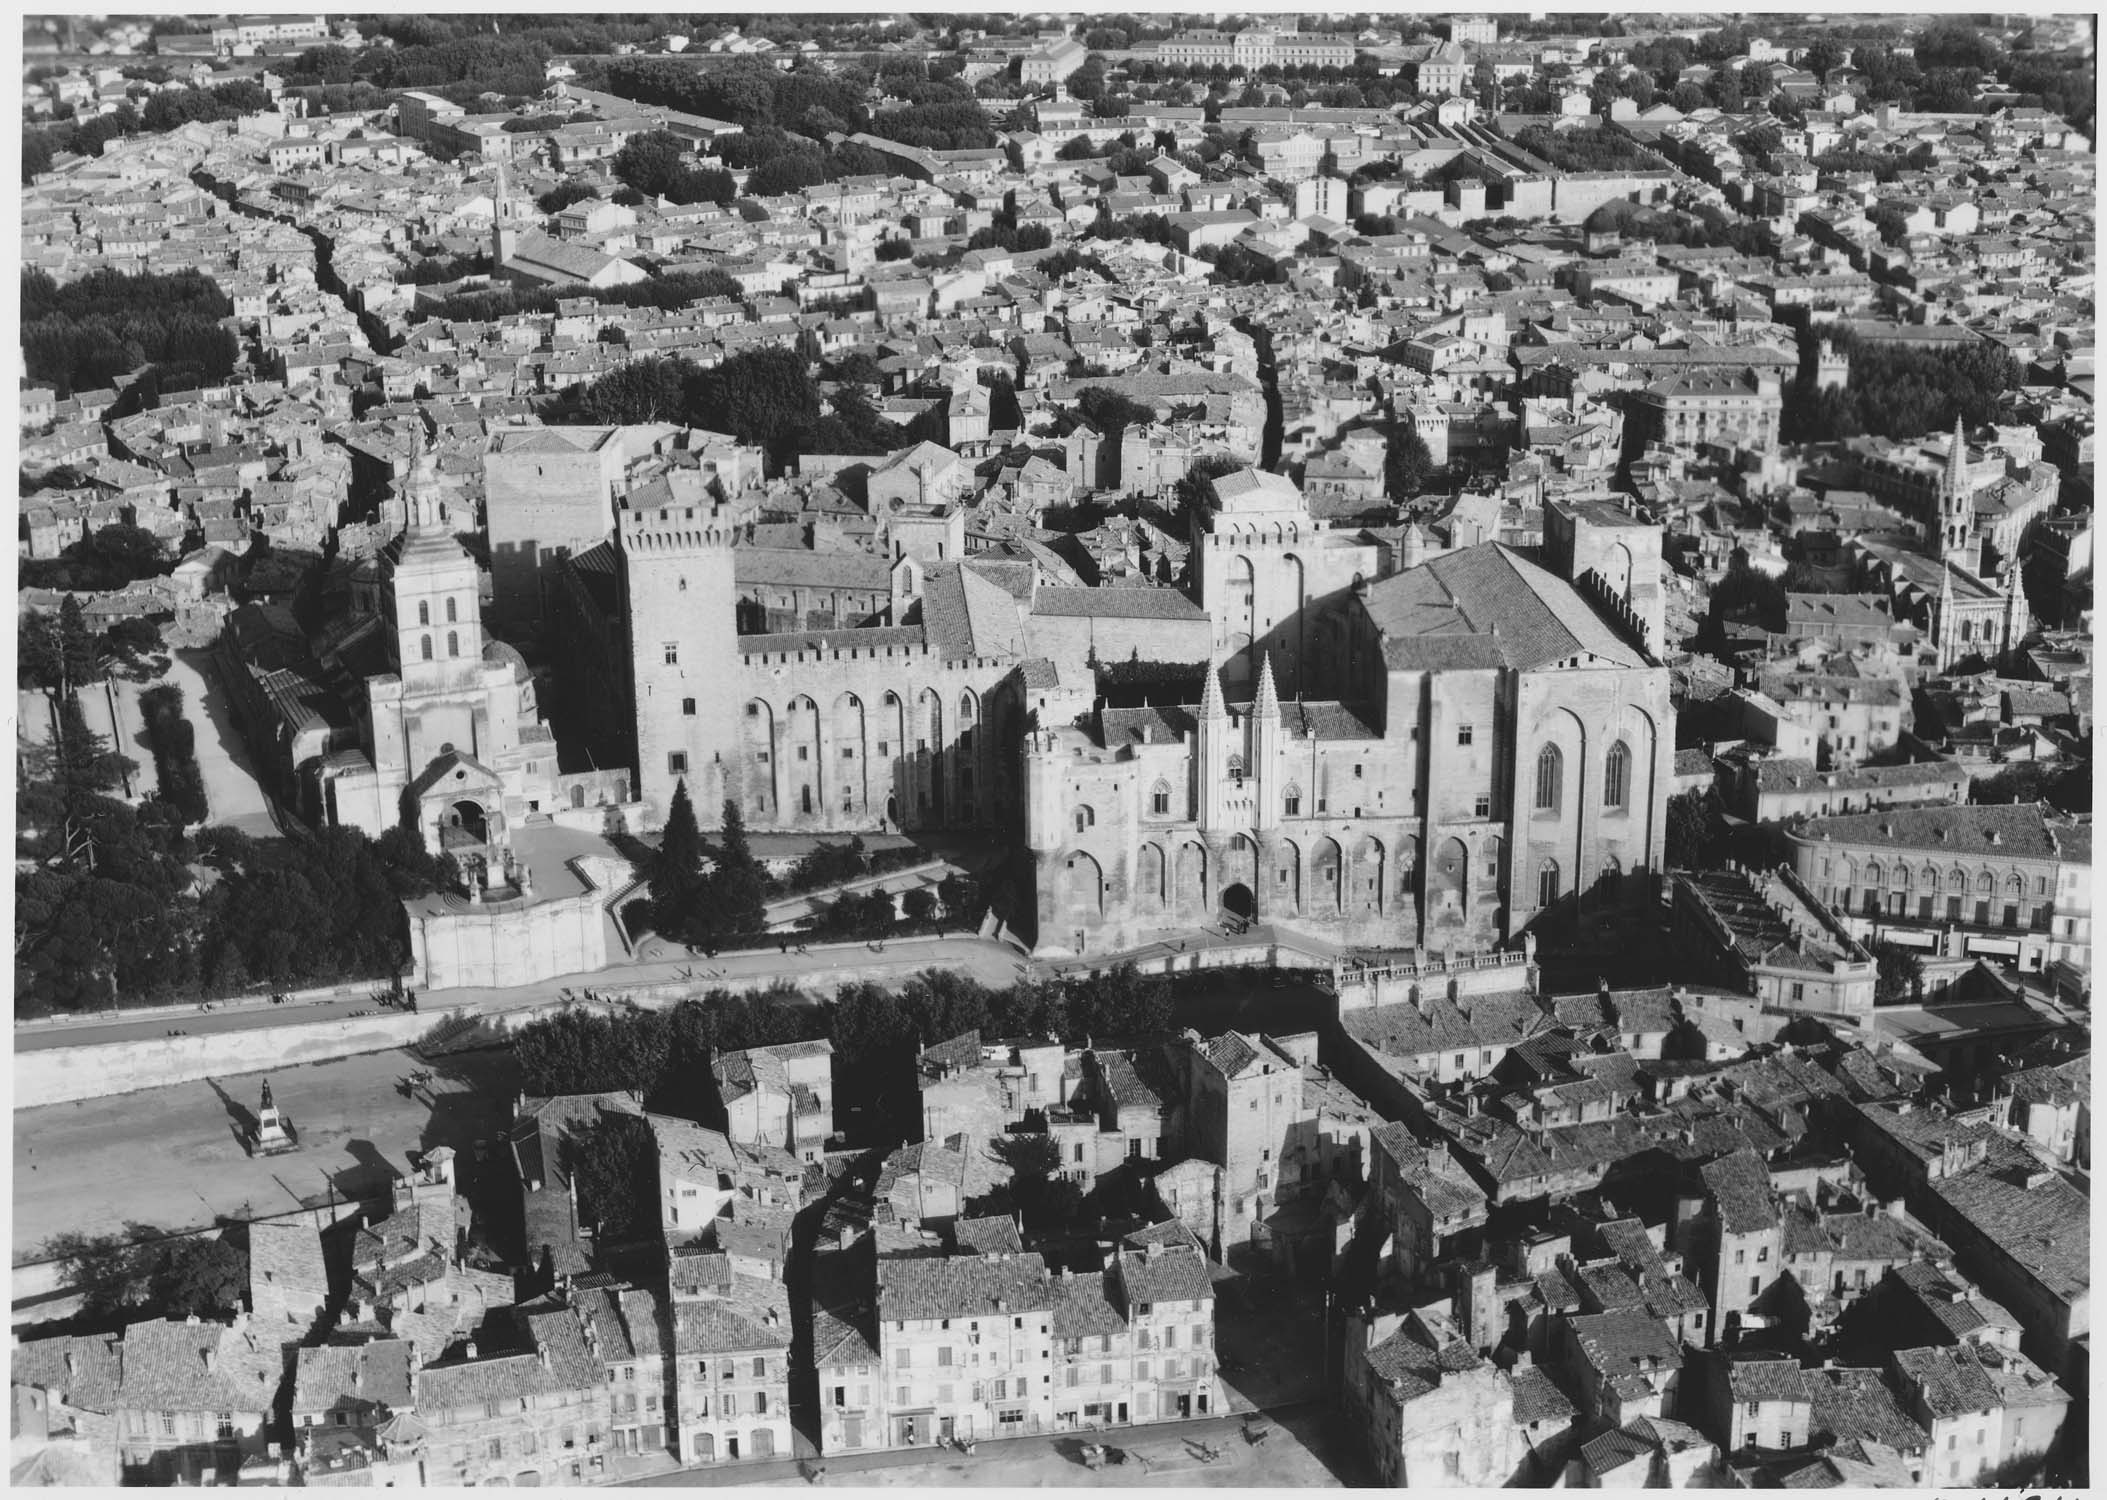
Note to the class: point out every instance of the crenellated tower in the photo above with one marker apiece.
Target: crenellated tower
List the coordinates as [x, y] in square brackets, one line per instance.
[681, 601]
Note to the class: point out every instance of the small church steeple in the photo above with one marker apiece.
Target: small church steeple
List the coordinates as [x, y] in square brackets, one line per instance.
[1956, 541]
[504, 234]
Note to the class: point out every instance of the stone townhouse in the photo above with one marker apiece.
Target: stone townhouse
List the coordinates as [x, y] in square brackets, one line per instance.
[288, 1282]
[779, 1096]
[852, 1386]
[1759, 1403]
[1434, 1413]
[731, 1356]
[1427, 1204]
[1737, 1241]
[966, 1346]
[979, 1088]
[1166, 1294]
[1983, 1409]
[1620, 1365]
[1093, 1354]
[352, 1415]
[194, 1400]
[534, 1414]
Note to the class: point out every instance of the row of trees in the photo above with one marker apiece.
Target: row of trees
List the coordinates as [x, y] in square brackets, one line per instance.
[108, 911]
[658, 164]
[663, 1057]
[145, 1272]
[764, 397]
[1902, 391]
[694, 906]
[89, 332]
[56, 653]
[663, 292]
[174, 744]
[159, 113]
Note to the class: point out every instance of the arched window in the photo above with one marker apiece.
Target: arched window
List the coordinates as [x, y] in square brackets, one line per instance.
[1236, 770]
[1900, 879]
[1160, 800]
[2015, 887]
[1985, 883]
[453, 643]
[1874, 874]
[451, 616]
[1616, 775]
[1291, 802]
[1550, 770]
[1931, 880]
[427, 648]
[1547, 883]
[1084, 819]
[424, 611]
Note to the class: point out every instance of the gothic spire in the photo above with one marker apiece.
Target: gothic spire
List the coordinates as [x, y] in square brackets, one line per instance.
[1268, 704]
[1957, 462]
[1212, 708]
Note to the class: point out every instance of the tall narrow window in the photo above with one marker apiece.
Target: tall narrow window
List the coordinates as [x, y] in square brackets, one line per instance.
[1160, 800]
[1547, 883]
[1550, 767]
[424, 611]
[453, 643]
[451, 616]
[427, 643]
[1616, 775]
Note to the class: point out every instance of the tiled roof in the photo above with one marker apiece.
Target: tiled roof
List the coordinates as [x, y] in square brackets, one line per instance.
[1537, 1397]
[1740, 1185]
[90, 1384]
[965, 1286]
[353, 1376]
[1230, 1053]
[736, 1322]
[1486, 606]
[2020, 830]
[1948, 1381]
[1618, 1344]
[1122, 603]
[1859, 1404]
[286, 1257]
[991, 1236]
[1476, 1022]
[467, 1384]
[2046, 1228]
[1765, 1380]
[197, 1366]
[1083, 1307]
[1170, 1274]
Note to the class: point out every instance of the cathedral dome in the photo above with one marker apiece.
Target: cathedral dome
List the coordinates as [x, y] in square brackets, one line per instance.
[496, 651]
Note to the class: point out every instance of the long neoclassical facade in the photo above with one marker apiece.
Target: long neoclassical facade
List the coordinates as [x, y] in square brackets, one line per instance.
[1500, 748]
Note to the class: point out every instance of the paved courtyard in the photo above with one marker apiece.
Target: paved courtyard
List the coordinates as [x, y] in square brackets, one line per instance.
[171, 1157]
[1308, 1447]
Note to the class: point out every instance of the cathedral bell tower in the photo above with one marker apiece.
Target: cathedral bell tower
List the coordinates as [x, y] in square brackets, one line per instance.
[1956, 541]
[437, 617]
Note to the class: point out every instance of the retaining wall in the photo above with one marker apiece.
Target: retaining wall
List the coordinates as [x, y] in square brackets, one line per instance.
[60, 1075]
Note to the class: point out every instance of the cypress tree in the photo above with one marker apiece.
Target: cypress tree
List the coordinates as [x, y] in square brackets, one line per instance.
[676, 875]
[738, 885]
